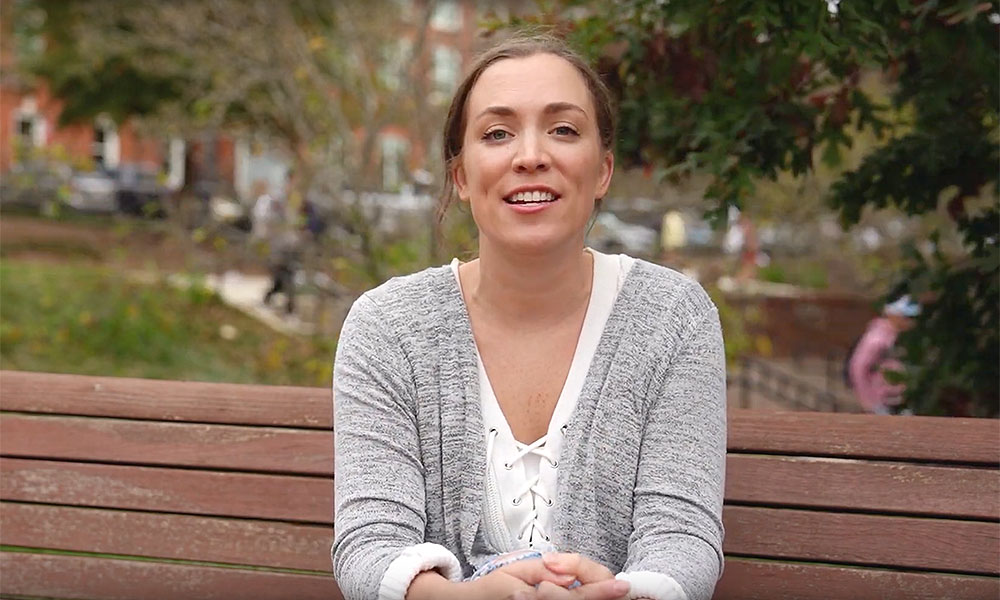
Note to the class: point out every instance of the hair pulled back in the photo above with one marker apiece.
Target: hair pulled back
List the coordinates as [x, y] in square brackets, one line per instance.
[521, 45]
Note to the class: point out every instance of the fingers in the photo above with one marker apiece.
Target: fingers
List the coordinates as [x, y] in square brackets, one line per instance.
[610, 589]
[534, 572]
[550, 591]
[604, 590]
[584, 569]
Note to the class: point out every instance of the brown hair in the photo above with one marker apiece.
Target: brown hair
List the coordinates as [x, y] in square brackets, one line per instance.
[521, 45]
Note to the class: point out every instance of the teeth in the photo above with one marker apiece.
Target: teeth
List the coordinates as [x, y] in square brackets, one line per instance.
[536, 196]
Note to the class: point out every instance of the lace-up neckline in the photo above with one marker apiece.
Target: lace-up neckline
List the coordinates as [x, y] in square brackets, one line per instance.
[532, 491]
[521, 479]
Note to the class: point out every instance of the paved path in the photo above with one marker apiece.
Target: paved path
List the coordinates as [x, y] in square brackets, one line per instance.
[246, 293]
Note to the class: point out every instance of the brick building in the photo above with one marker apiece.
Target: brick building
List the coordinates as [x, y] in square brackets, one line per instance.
[29, 114]
[29, 119]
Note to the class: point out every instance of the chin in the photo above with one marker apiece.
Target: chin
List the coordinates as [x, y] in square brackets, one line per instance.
[540, 243]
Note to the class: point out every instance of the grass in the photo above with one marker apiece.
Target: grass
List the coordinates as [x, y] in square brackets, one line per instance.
[77, 318]
[804, 273]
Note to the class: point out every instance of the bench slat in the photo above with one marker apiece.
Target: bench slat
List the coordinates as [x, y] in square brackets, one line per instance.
[910, 438]
[293, 498]
[177, 444]
[933, 544]
[863, 486]
[971, 441]
[183, 537]
[166, 400]
[95, 578]
[763, 580]
[918, 543]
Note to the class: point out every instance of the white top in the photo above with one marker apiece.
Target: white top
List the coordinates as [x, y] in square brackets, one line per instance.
[521, 478]
[519, 500]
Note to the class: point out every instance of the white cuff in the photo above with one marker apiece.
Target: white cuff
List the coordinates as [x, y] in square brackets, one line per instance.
[413, 561]
[656, 586]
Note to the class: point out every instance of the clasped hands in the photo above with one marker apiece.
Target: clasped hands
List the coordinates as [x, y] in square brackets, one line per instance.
[549, 578]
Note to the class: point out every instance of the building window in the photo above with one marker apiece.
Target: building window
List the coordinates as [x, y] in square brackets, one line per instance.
[175, 163]
[447, 68]
[29, 126]
[447, 16]
[25, 127]
[105, 149]
[394, 150]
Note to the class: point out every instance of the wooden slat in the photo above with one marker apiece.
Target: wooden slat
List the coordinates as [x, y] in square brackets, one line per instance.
[92, 578]
[277, 449]
[228, 403]
[973, 441]
[764, 580]
[803, 535]
[909, 438]
[293, 498]
[917, 543]
[864, 486]
[183, 537]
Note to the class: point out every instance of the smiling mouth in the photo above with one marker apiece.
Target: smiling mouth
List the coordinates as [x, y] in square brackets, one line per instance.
[531, 198]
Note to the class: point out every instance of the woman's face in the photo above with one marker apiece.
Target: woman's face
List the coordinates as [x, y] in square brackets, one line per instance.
[532, 164]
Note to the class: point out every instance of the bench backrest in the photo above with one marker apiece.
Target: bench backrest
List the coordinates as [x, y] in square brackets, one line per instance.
[861, 506]
[125, 488]
[185, 490]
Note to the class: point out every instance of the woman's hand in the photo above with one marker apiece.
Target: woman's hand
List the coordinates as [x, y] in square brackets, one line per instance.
[577, 565]
[502, 584]
[518, 581]
[516, 578]
[609, 589]
[597, 582]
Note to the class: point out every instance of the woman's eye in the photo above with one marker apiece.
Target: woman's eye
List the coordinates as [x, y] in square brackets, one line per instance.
[564, 130]
[496, 135]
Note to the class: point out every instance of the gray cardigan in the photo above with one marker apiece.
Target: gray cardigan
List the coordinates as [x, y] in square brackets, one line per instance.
[641, 470]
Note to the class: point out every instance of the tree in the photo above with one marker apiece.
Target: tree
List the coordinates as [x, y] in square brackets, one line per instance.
[318, 78]
[746, 91]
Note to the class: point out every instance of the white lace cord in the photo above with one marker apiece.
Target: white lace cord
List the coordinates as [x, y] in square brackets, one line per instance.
[490, 442]
[530, 526]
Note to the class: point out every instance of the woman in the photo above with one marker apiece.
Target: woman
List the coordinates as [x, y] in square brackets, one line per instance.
[542, 397]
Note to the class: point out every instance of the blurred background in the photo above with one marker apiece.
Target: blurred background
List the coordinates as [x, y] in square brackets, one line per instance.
[198, 190]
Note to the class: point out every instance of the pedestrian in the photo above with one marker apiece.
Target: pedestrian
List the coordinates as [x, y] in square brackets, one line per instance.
[545, 421]
[874, 354]
[284, 263]
[265, 216]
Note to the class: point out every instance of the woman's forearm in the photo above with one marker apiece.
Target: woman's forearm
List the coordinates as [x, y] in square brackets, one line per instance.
[431, 585]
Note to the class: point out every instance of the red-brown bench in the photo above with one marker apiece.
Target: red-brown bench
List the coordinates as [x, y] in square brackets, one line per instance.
[126, 488]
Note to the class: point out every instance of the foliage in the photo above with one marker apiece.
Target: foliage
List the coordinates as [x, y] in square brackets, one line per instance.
[802, 273]
[739, 342]
[87, 320]
[747, 91]
[38, 182]
[82, 78]
[316, 79]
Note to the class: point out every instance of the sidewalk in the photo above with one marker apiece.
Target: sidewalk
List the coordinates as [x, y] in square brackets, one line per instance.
[246, 293]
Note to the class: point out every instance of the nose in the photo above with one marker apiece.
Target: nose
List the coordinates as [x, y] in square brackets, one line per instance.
[531, 155]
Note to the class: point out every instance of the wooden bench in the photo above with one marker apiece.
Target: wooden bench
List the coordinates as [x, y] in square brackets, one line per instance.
[126, 488]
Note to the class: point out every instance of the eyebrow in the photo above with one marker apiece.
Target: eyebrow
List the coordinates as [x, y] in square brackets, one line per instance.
[551, 108]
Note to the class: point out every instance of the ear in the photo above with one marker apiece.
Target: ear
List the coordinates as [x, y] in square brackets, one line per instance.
[459, 179]
[607, 170]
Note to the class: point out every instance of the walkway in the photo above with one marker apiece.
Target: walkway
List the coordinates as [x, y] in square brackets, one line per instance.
[246, 293]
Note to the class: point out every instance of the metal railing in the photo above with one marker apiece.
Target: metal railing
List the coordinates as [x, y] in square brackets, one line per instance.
[758, 376]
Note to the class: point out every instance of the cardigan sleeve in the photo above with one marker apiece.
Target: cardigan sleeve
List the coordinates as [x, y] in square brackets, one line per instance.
[677, 516]
[379, 511]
